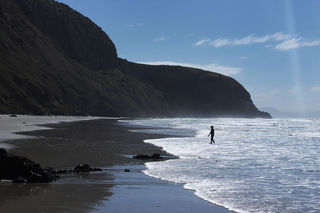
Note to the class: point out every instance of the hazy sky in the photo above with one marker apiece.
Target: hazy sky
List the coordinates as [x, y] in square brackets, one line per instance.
[272, 47]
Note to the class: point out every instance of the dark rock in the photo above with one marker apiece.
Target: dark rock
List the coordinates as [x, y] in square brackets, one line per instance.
[127, 170]
[20, 180]
[22, 170]
[17, 168]
[63, 171]
[85, 168]
[3, 153]
[95, 169]
[13, 116]
[51, 171]
[82, 168]
[155, 156]
[142, 157]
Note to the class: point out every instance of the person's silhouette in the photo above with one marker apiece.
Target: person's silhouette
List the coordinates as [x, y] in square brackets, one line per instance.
[212, 135]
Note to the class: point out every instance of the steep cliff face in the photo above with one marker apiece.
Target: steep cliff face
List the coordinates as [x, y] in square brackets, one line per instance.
[53, 60]
[40, 75]
[72, 34]
[196, 92]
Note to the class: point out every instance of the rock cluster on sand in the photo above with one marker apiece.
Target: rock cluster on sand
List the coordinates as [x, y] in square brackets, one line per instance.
[85, 168]
[21, 169]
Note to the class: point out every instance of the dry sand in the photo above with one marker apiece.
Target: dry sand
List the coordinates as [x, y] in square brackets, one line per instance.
[23, 123]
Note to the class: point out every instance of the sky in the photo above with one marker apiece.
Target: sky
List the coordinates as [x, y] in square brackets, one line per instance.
[272, 47]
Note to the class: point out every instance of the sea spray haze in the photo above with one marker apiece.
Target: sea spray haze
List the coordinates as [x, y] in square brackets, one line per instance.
[256, 165]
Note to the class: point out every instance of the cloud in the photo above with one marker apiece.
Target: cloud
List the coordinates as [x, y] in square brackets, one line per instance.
[161, 38]
[284, 42]
[315, 89]
[225, 70]
[250, 39]
[220, 42]
[288, 44]
[279, 36]
[201, 42]
[295, 43]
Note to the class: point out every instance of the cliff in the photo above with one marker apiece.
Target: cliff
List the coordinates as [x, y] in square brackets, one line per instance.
[53, 60]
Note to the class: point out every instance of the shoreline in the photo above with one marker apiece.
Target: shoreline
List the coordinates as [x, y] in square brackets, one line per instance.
[68, 144]
[137, 192]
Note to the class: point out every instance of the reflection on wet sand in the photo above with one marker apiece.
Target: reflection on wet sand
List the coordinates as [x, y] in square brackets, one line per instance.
[57, 197]
[100, 143]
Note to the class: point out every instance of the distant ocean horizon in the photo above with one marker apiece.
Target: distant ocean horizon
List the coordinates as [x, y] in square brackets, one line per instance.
[256, 165]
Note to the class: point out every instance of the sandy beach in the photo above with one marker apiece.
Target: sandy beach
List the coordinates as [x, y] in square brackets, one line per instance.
[101, 143]
[11, 124]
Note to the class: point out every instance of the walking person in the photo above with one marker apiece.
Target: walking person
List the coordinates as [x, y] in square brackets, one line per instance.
[212, 135]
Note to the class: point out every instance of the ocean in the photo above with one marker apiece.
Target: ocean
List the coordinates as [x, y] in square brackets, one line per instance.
[256, 165]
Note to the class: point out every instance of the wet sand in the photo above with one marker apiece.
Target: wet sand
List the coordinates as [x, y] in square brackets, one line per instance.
[135, 192]
[101, 143]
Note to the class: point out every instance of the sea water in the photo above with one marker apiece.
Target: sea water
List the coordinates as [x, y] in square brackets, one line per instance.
[256, 165]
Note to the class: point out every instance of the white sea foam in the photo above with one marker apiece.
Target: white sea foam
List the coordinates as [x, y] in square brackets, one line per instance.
[256, 165]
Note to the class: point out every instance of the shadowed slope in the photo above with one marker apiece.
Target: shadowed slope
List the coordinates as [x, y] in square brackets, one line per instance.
[196, 92]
